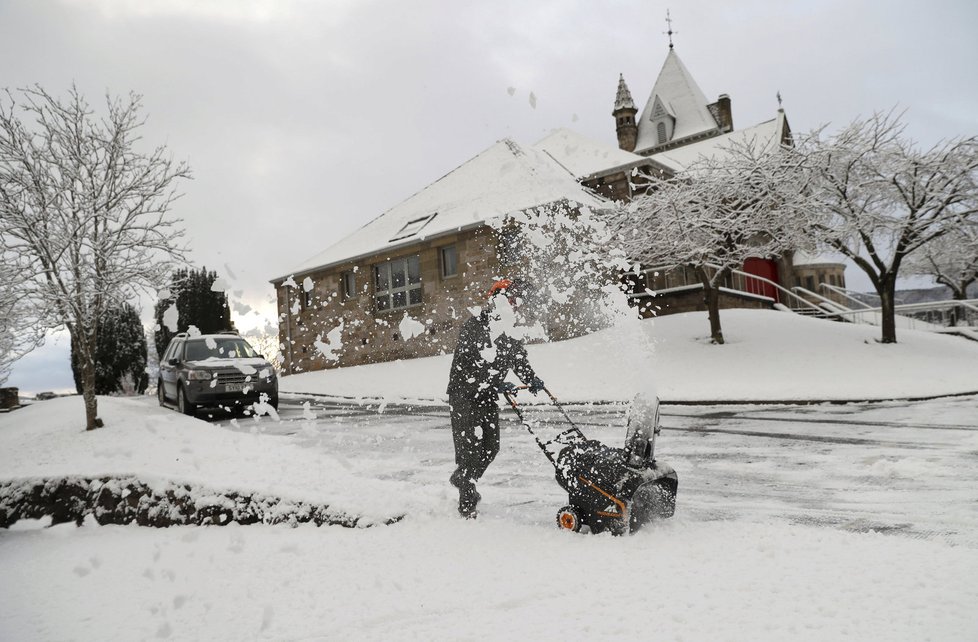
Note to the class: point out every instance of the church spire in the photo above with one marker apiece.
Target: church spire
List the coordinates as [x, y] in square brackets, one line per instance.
[624, 114]
[624, 98]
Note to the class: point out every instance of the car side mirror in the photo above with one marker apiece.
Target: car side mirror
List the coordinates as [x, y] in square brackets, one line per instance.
[173, 362]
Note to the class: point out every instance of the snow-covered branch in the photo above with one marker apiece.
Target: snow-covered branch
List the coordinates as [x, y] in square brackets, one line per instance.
[83, 213]
[881, 199]
[747, 202]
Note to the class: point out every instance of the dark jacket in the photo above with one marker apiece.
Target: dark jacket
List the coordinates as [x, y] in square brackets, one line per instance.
[472, 375]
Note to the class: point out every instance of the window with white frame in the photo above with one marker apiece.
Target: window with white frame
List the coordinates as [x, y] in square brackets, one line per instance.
[449, 261]
[397, 283]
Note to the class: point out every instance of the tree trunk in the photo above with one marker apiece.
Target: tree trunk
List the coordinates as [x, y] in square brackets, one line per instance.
[887, 292]
[86, 351]
[711, 297]
[958, 312]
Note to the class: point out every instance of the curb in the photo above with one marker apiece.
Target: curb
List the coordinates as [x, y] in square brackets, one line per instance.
[369, 401]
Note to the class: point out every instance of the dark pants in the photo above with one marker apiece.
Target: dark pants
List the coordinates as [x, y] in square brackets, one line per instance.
[473, 453]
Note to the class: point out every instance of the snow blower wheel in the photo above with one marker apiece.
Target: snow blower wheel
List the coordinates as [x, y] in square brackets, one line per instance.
[569, 519]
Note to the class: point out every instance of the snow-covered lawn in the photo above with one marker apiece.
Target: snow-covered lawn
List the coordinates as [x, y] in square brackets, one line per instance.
[769, 356]
[793, 523]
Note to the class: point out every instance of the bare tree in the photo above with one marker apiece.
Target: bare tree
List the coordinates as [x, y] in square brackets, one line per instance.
[82, 213]
[882, 198]
[951, 259]
[22, 325]
[745, 202]
[265, 342]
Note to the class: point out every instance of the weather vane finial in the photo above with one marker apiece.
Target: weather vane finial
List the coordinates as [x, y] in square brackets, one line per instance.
[670, 31]
[779, 99]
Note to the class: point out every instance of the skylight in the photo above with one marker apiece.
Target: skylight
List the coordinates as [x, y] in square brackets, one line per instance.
[413, 227]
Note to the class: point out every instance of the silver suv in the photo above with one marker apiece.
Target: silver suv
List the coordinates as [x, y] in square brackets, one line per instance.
[214, 370]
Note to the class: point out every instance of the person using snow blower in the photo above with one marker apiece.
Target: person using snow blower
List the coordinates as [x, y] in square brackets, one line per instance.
[483, 357]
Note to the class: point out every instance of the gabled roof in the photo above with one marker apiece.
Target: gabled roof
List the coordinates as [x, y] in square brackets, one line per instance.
[682, 98]
[586, 158]
[504, 179]
[767, 135]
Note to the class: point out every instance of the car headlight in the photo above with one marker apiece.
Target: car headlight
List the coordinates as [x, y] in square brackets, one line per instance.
[199, 375]
[266, 373]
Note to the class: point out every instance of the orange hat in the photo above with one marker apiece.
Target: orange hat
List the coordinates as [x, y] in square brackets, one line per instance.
[512, 288]
[502, 285]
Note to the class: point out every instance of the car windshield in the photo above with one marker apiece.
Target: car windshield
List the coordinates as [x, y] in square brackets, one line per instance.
[211, 348]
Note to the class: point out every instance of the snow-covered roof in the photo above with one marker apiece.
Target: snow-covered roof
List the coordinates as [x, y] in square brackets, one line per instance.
[766, 134]
[682, 98]
[584, 157]
[802, 258]
[503, 179]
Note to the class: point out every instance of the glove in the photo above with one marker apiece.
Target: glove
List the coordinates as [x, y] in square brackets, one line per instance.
[536, 385]
[507, 387]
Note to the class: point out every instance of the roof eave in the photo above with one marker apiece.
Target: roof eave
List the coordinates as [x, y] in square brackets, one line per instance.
[363, 255]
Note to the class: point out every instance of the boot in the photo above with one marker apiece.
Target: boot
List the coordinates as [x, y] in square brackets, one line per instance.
[468, 500]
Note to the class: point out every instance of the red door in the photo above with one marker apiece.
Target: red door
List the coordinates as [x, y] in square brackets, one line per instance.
[767, 269]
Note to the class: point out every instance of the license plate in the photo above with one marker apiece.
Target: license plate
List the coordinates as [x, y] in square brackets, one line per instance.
[234, 387]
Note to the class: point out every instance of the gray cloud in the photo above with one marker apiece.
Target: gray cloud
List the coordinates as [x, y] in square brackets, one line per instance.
[303, 120]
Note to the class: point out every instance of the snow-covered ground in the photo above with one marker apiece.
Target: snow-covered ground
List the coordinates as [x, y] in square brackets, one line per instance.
[793, 522]
[768, 356]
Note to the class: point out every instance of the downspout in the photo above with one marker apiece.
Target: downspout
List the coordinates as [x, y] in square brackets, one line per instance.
[288, 325]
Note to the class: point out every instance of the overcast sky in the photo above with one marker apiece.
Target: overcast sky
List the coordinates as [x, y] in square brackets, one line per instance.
[303, 120]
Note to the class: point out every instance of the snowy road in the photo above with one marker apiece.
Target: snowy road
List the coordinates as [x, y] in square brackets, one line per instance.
[904, 468]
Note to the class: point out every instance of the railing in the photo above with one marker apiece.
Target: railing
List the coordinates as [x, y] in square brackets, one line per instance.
[678, 278]
[930, 315]
[739, 281]
[844, 293]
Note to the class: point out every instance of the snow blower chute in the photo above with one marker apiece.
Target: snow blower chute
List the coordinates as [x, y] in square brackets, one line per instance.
[614, 489]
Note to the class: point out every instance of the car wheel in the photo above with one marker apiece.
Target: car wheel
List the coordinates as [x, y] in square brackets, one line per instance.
[183, 405]
[161, 392]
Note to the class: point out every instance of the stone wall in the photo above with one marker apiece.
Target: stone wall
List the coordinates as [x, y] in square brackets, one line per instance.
[370, 335]
[810, 275]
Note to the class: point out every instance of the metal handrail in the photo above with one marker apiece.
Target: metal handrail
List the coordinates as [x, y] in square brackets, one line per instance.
[843, 292]
[828, 305]
[837, 309]
[912, 307]
[791, 295]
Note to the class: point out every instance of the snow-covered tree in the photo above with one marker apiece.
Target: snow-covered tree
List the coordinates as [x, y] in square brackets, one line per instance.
[83, 212]
[745, 202]
[952, 260]
[265, 342]
[22, 322]
[882, 198]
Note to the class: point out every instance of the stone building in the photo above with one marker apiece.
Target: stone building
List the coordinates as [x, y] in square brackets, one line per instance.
[679, 126]
[400, 286]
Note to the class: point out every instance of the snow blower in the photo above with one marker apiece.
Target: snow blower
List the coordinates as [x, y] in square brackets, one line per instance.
[609, 489]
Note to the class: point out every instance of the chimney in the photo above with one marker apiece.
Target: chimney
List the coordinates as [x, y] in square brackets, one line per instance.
[725, 113]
